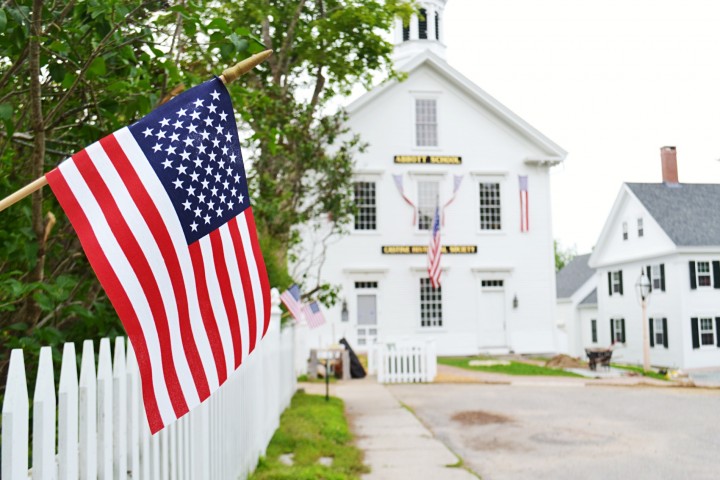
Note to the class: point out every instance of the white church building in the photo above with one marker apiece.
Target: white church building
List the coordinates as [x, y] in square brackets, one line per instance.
[437, 139]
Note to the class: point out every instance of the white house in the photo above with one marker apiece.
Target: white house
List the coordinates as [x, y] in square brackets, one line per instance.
[670, 231]
[577, 311]
[426, 134]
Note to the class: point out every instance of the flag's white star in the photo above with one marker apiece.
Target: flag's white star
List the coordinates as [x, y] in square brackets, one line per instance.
[205, 135]
[242, 198]
[186, 204]
[177, 124]
[195, 115]
[219, 212]
[182, 112]
[233, 191]
[192, 128]
[164, 122]
[212, 156]
[219, 129]
[147, 132]
[223, 116]
[216, 143]
[194, 226]
[231, 205]
[217, 177]
[211, 205]
[188, 142]
[174, 137]
[160, 134]
[229, 171]
[225, 150]
[194, 176]
[198, 162]
[207, 218]
[170, 150]
[202, 148]
[205, 184]
[178, 183]
[208, 121]
[191, 190]
[236, 178]
[201, 198]
[222, 198]
[214, 191]
[233, 157]
[208, 170]
[181, 169]
[212, 108]
[167, 163]
[157, 148]
[185, 155]
[221, 163]
[226, 184]
[228, 137]
[198, 103]
[197, 211]
[215, 95]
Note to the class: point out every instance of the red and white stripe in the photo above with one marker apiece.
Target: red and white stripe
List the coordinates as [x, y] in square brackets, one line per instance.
[524, 205]
[434, 254]
[192, 313]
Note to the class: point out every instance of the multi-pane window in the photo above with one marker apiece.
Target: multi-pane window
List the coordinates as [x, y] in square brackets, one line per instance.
[360, 285]
[618, 330]
[617, 282]
[593, 330]
[490, 218]
[658, 331]
[707, 332]
[422, 24]
[656, 279]
[703, 274]
[492, 283]
[366, 215]
[426, 122]
[428, 201]
[430, 304]
[625, 230]
[641, 230]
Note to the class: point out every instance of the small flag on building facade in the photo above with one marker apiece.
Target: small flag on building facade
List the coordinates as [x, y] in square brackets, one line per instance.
[399, 184]
[457, 180]
[291, 300]
[435, 251]
[313, 315]
[524, 206]
[162, 211]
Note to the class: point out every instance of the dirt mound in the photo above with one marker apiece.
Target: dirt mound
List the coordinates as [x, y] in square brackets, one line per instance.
[479, 417]
[565, 361]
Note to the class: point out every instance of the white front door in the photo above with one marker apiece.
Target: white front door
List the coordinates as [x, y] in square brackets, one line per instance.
[491, 321]
[366, 320]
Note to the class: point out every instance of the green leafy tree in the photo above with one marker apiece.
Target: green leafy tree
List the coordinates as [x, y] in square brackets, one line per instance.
[563, 256]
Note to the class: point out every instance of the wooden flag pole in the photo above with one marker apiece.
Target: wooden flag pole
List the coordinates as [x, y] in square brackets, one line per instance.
[228, 76]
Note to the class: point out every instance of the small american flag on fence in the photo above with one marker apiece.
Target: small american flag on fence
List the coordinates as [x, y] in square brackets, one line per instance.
[313, 315]
[291, 299]
[162, 210]
[524, 206]
[435, 251]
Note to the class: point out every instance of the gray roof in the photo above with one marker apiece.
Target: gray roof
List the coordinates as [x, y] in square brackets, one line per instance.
[687, 212]
[591, 298]
[573, 276]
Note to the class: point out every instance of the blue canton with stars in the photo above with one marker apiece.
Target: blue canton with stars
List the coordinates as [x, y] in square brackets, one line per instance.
[192, 144]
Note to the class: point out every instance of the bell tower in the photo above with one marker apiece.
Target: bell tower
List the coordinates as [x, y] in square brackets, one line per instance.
[423, 32]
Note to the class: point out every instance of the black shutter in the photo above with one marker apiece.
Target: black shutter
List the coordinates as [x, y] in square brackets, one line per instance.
[610, 283]
[693, 280]
[717, 331]
[665, 333]
[649, 275]
[622, 332]
[652, 332]
[621, 289]
[662, 277]
[716, 274]
[695, 333]
[612, 331]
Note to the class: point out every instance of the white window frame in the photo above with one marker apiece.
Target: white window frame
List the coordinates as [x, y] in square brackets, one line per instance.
[707, 274]
[618, 323]
[431, 206]
[658, 329]
[616, 282]
[416, 138]
[656, 277]
[424, 282]
[640, 228]
[375, 205]
[499, 183]
[625, 235]
[713, 343]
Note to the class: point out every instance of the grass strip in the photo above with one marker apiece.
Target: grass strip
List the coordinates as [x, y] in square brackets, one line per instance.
[309, 429]
[514, 368]
[636, 369]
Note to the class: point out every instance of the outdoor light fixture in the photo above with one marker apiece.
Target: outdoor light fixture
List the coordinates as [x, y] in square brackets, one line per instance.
[344, 315]
[642, 288]
[515, 301]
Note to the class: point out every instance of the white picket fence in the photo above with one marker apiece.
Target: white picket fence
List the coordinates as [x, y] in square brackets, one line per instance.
[403, 362]
[102, 432]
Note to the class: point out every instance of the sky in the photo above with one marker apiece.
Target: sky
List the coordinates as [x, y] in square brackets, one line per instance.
[610, 81]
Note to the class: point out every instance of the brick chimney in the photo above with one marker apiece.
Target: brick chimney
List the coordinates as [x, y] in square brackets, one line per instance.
[668, 158]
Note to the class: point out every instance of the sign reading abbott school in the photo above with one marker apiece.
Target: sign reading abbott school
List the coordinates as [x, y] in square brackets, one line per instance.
[422, 249]
[436, 159]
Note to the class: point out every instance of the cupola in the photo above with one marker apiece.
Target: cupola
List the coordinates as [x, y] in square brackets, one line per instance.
[423, 32]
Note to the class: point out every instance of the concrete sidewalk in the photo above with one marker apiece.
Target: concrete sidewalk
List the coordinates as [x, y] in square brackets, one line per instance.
[395, 443]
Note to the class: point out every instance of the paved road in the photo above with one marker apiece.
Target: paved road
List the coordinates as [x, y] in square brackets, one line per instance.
[573, 432]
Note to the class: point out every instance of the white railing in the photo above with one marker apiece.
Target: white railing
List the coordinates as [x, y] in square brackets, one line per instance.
[404, 362]
[101, 427]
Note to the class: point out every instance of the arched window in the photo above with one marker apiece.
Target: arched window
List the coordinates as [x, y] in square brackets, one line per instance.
[406, 32]
[422, 24]
[437, 26]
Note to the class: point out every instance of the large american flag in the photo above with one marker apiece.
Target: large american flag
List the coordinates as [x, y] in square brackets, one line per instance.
[524, 203]
[162, 210]
[291, 299]
[313, 315]
[435, 251]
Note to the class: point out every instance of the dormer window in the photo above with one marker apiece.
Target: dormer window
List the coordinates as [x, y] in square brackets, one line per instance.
[426, 122]
[422, 24]
[641, 230]
[437, 26]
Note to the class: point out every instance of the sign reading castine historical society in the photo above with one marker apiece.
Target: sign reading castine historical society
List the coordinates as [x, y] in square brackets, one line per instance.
[422, 249]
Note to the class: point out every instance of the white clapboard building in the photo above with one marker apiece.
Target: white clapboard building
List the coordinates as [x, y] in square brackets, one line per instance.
[431, 136]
